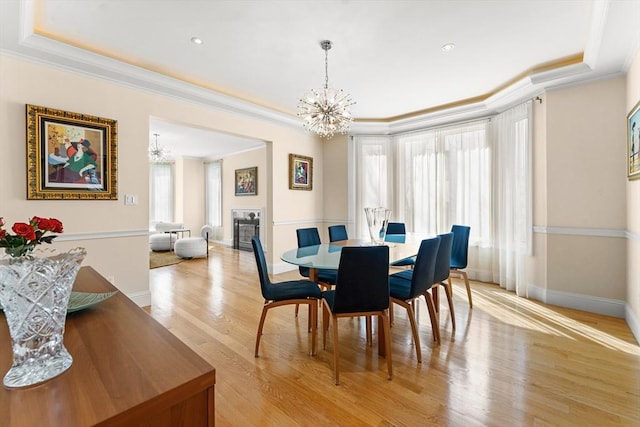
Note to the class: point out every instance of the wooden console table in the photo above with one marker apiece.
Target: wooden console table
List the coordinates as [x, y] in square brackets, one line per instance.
[128, 370]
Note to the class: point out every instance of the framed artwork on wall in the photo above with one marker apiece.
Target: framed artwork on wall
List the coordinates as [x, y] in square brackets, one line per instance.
[300, 172]
[633, 142]
[247, 181]
[70, 156]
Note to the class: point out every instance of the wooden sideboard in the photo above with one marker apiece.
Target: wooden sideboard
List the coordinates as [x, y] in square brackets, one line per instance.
[128, 370]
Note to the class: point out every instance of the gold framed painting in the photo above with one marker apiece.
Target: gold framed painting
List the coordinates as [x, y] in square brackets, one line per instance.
[633, 142]
[247, 181]
[300, 172]
[70, 156]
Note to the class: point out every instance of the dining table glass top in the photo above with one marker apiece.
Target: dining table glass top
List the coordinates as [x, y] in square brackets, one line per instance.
[327, 255]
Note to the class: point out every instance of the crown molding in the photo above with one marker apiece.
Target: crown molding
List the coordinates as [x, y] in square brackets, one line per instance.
[57, 54]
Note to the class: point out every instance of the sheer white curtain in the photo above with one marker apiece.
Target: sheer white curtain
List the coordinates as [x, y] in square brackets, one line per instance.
[161, 205]
[213, 189]
[512, 191]
[476, 174]
[374, 177]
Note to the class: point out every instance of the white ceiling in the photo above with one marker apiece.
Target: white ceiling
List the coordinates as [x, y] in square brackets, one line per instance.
[263, 55]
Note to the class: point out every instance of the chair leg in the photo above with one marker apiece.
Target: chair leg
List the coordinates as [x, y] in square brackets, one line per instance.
[336, 356]
[387, 342]
[390, 313]
[368, 328]
[436, 299]
[433, 316]
[260, 325]
[466, 283]
[313, 322]
[325, 325]
[297, 308]
[449, 291]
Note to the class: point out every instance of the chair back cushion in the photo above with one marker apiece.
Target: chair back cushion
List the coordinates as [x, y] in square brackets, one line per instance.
[422, 276]
[307, 237]
[337, 233]
[363, 279]
[443, 258]
[261, 262]
[396, 228]
[460, 247]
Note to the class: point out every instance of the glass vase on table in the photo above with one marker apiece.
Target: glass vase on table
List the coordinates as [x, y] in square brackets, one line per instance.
[377, 220]
[34, 293]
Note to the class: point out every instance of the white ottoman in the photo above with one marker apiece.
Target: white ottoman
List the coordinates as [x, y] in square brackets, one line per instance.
[194, 247]
[161, 242]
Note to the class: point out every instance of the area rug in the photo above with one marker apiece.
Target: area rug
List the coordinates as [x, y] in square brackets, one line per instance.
[162, 259]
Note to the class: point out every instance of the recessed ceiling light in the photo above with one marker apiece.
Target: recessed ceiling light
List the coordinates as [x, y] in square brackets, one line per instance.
[447, 47]
[196, 40]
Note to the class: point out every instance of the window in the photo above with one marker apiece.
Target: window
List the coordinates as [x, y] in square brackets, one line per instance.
[161, 197]
[476, 174]
[213, 189]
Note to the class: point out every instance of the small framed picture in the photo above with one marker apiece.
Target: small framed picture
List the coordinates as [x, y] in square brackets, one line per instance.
[633, 143]
[70, 155]
[300, 172]
[247, 181]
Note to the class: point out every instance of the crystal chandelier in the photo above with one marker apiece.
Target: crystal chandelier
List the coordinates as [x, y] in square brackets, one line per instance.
[157, 152]
[326, 111]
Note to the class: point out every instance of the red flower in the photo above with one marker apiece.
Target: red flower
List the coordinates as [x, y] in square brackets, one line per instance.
[24, 230]
[56, 225]
[3, 233]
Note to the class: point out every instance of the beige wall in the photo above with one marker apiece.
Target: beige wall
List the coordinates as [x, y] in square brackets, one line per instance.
[633, 215]
[114, 234]
[579, 198]
[246, 159]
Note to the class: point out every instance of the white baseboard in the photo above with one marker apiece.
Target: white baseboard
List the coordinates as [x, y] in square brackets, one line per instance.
[592, 304]
[142, 299]
[633, 322]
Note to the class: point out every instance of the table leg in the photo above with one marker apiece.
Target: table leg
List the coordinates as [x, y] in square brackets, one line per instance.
[313, 275]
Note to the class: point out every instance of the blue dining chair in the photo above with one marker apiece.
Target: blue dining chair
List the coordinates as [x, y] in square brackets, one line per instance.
[285, 293]
[310, 237]
[406, 286]
[337, 233]
[459, 254]
[396, 232]
[362, 289]
[441, 274]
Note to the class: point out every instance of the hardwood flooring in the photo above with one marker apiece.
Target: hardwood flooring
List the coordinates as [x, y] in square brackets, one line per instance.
[511, 361]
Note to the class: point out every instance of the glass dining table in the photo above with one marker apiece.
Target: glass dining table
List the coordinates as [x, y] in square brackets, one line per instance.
[327, 256]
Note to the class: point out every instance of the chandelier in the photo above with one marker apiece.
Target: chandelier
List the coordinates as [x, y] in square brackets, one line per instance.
[157, 152]
[326, 111]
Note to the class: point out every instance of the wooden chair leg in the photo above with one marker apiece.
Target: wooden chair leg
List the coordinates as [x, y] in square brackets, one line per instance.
[449, 291]
[336, 355]
[368, 328]
[436, 299]
[260, 325]
[466, 283]
[297, 308]
[390, 314]
[433, 316]
[414, 330]
[313, 321]
[387, 342]
[325, 325]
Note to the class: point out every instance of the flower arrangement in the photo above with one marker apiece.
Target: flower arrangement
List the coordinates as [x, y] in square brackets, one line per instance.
[28, 235]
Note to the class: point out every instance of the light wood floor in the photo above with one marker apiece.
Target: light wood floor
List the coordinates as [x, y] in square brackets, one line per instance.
[511, 361]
